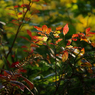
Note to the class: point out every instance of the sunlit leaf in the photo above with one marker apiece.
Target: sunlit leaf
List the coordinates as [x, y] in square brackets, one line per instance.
[87, 30]
[75, 35]
[82, 51]
[58, 41]
[65, 56]
[59, 28]
[44, 28]
[74, 39]
[65, 29]
[69, 42]
[93, 44]
[48, 31]
[38, 28]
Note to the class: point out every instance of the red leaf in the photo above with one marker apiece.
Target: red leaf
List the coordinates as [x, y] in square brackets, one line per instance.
[16, 6]
[25, 50]
[74, 39]
[44, 28]
[15, 64]
[93, 44]
[87, 30]
[25, 38]
[69, 42]
[65, 29]
[13, 56]
[1, 75]
[65, 56]
[31, 85]
[7, 73]
[29, 33]
[23, 46]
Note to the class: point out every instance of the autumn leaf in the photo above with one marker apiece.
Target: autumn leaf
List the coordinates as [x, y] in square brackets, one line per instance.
[59, 28]
[38, 28]
[65, 29]
[58, 41]
[75, 35]
[88, 33]
[48, 31]
[15, 64]
[82, 52]
[44, 28]
[31, 85]
[69, 42]
[87, 30]
[29, 33]
[65, 56]
[85, 63]
[25, 38]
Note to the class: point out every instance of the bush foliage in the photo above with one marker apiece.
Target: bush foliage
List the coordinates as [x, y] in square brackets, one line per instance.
[42, 60]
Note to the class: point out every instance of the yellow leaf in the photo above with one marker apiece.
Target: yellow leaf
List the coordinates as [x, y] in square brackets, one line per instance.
[65, 56]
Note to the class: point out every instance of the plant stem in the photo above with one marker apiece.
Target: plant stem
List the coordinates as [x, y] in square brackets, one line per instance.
[18, 30]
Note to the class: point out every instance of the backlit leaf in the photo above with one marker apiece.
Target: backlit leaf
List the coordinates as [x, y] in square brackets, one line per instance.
[59, 28]
[75, 35]
[58, 41]
[44, 28]
[48, 31]
[65, 56]
[65, 29]
[87, 30]
[38, 28]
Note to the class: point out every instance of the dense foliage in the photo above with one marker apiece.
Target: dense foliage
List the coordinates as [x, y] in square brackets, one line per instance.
[37, 58]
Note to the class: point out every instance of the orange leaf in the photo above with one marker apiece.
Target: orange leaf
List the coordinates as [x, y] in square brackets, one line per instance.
[65, 56]
[65, 29]
[38, 28]
[87, 30]
[48, 31]
[75, 35]
[93, 44]
[82, 52]
[58, 28]
[58, 41]
[44, 28]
